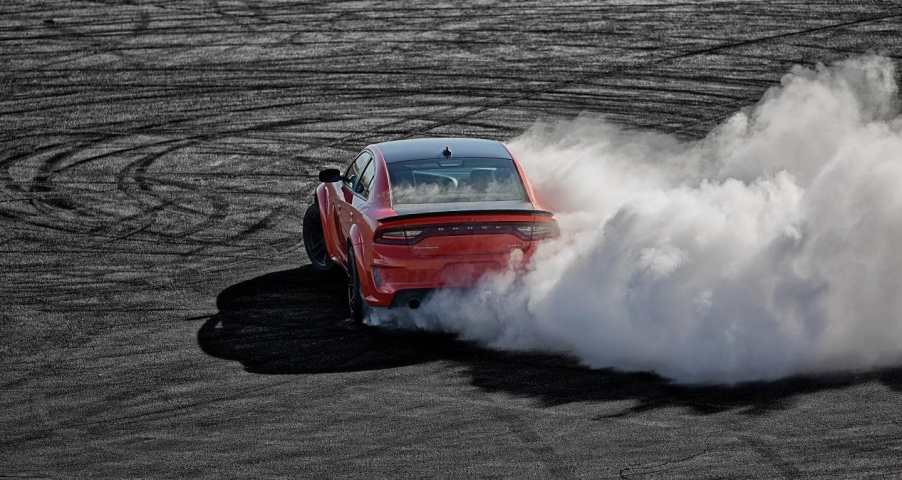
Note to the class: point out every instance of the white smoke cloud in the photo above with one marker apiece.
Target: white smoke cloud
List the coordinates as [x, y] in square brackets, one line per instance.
[768, 248]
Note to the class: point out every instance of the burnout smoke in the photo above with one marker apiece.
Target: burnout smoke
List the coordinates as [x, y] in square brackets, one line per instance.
[766, 249]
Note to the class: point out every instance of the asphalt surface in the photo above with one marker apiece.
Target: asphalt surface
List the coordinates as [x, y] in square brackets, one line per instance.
[157, 319]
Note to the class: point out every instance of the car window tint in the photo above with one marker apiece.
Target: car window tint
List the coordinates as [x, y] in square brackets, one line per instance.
[461, 180]
[366, 179]
[354, 169]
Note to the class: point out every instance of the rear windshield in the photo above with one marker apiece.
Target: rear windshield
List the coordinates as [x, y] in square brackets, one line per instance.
[456, 180]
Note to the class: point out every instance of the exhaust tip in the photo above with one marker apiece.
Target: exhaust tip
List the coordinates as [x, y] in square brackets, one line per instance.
[413, 304]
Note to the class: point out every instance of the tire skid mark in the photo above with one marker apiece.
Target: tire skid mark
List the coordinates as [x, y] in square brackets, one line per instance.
[787, 470]
[640, 470]
[136, 171]
[42, 183]
[555, 466]
[101, 46]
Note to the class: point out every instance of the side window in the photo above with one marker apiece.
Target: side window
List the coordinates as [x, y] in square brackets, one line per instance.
[355, 168]
[366, 179]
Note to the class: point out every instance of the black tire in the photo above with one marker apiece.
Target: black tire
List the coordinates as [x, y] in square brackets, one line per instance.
[314, 241]
[357, 307]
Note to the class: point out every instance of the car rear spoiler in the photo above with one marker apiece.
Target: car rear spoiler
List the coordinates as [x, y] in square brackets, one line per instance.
[447, 213]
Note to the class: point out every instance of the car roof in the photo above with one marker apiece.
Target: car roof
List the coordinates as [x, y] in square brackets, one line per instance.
[428, 148]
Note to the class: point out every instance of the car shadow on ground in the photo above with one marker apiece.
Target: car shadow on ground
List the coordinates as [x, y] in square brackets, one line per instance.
[295, 322]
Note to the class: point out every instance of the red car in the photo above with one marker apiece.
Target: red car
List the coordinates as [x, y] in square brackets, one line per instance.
[410, 216]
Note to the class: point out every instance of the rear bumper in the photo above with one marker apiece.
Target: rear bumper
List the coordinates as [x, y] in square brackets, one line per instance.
[393, 285]
[447, 249]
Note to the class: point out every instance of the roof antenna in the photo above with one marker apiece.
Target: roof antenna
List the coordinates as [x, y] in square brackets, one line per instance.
[446, 160]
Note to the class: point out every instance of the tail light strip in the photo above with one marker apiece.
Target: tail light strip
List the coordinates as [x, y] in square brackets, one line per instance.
[410, 235]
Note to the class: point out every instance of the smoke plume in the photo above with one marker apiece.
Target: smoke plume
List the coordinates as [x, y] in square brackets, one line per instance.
[768, 248]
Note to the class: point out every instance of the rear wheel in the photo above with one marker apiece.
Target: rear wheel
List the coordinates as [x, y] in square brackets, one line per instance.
[356, 304]
[314, 240]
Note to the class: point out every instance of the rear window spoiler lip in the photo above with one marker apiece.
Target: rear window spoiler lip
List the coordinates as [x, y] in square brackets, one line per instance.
[413, 216]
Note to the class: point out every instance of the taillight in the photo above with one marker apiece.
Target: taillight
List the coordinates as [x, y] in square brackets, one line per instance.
[412, 235]
[405, 236]
[543, 230]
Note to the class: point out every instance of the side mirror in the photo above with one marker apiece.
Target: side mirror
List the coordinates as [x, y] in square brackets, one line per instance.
[330, 175]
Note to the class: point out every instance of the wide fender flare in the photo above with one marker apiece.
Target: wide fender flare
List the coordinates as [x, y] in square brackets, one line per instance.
[356, 239]
[359, 247]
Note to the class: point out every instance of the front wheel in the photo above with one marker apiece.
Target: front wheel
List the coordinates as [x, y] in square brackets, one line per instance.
[314, 240]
